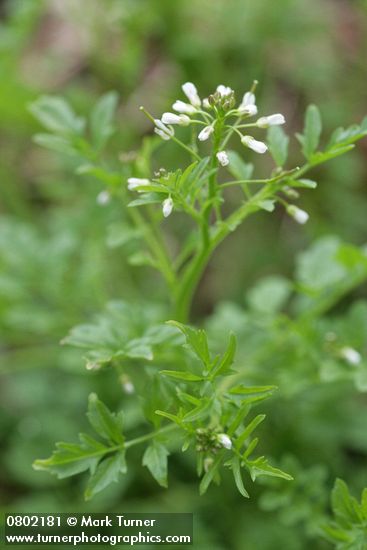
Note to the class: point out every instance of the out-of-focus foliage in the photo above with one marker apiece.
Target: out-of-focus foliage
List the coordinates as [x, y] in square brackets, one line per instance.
[63, 256]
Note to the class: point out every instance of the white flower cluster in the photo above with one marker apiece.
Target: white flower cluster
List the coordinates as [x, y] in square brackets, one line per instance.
[223, 95]
[211, 113]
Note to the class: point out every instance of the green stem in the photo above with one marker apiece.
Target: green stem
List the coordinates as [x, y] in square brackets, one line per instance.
[186, 147]
[194, 271]
[151, 435]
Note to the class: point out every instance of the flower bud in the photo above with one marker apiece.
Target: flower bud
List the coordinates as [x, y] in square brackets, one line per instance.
[252, 143]
[225, 441]
[300, 216]
[272, 120]
[163, 131]
[206, 133]
[126, 384]
[190, 91]
[223, 158]
[351, 355]
[103, 198]
[167, 207]
[172, 118]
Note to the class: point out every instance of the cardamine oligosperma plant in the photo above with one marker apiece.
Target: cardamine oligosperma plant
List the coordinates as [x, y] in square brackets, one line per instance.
[199, 404]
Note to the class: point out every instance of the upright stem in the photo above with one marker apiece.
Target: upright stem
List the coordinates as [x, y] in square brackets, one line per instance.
[194, 271]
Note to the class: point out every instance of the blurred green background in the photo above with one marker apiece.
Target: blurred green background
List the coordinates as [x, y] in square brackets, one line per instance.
[59, 262]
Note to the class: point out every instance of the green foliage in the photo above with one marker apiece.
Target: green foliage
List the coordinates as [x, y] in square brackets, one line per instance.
[311, 132]
[278, 145]
[349, 528]
[120, 333]
[298, 333]
[209, 410]
[90, 454]
[205, 404]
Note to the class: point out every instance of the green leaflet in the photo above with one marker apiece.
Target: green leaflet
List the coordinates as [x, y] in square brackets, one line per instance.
[278, 143]
[311, 132]
[101, 119]
[105, 461]
[106, 424]
[155, 459]
[348, 528]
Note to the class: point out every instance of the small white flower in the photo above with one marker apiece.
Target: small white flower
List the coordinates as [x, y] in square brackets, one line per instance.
[222, 158]
[299, 215]
[206, 133]
[272, 120]
[134, 183]
[172, 118]
[250, 110]
[252, 143]
[167, 207]
[190, 91]
[224, 91]
[225, 441]
[184, 108]
[248, 99]
[351, 355]
[248, 105]
[163, 131]
[103, 198]
[128, 388]
[206, 103]
[126, 384]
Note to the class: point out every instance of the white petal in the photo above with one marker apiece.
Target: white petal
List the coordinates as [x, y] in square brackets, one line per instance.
[185, 108]
[249, 110]
[205, 133]
[248, 99]
[252, 143]
[103, 198]
[134, 183]
[162, 134]
[128, 387]
[162, 130]
[272, 120]
[172, 118]
[351, 355]
[222, 158]
[299, 215]
[167, 207]
[225, 441]
[190, 91]
[224, 91]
